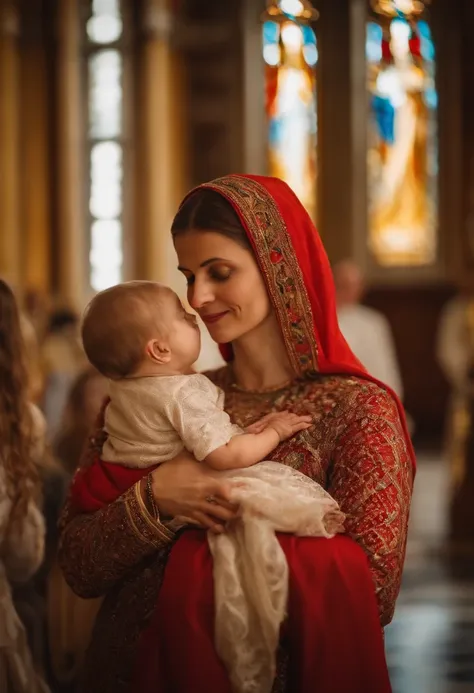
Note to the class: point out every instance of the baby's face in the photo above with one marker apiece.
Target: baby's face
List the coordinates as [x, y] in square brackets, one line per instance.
[184, 334]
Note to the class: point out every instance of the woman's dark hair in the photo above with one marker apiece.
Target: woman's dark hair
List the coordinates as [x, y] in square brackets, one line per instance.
[206, 210]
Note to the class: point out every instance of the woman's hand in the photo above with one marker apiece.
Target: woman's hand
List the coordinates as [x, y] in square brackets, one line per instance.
[184, 488]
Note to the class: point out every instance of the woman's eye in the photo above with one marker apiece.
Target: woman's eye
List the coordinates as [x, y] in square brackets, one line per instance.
[220, 276]
[189, 281]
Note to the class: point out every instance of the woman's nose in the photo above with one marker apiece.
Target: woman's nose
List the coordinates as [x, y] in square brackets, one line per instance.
[199, 294]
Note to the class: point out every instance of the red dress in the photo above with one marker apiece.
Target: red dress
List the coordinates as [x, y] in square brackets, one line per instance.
[342, 589]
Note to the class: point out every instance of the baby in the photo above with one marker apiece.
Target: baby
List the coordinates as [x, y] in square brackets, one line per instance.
[139, 336]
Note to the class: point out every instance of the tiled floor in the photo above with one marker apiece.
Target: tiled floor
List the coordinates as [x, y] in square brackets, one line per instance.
[430, 644]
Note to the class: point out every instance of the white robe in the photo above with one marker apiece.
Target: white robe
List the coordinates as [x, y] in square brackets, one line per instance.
[369, 335]
[452, 343]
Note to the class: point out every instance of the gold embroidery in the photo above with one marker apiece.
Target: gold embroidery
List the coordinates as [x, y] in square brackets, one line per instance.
[142, 523]
[278, 263]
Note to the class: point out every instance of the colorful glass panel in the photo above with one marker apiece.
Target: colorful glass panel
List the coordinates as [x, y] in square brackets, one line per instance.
[403, 143]
[290, 53]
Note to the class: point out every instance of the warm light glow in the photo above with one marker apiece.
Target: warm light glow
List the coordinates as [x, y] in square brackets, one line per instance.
[292, 37]
[397, 8]
[106, 257]
[281, 10]
[402, 155]
[105, 94]
[290, 51]
[292, 7]
[105, 77]
[272, 54]
[105, 25]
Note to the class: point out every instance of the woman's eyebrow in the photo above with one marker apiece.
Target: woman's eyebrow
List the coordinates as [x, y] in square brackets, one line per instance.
[203, 264]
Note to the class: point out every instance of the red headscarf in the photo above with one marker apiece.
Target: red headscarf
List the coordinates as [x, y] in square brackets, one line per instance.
[298, 276]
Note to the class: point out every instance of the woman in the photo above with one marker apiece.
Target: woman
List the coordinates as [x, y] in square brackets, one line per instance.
[258, 276]
[21, 522]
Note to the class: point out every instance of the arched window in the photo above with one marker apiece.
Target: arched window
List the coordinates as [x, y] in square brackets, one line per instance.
[403, 138]
[291, 55]
[106, 135]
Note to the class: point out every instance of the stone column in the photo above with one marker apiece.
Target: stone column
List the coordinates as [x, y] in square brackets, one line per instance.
[71, 259]
[35, 147]
[343, 113]
[9, 143]
[161, 149]
[255, 159]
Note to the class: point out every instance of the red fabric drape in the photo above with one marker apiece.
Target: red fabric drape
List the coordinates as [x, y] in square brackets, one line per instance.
[102, 483]
[331, 650]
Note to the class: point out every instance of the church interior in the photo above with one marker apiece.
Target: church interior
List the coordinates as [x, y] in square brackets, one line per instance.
[111, 110]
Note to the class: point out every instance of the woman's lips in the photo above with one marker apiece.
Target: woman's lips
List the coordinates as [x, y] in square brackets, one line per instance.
[213, 317]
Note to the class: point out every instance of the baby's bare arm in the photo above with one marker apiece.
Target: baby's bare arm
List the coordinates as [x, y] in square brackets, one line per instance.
[249, 448]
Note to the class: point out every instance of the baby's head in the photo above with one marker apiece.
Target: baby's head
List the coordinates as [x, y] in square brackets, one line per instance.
[139, 327]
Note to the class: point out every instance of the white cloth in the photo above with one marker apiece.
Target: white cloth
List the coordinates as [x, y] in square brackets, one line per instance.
[250, 568]
[150, 420]
[369, 335]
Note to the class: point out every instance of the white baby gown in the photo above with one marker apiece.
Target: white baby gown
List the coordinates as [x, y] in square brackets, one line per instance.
[250, 567]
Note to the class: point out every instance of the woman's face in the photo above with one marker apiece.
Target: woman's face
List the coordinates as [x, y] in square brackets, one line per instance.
[225, 285]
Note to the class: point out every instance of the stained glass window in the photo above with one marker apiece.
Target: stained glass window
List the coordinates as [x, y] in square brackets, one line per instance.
[290, 53]
[106, 143]
[403, 140]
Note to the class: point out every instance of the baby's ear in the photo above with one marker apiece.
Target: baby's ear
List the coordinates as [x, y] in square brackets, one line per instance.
[158, 351]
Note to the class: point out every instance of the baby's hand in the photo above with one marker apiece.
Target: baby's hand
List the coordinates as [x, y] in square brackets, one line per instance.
[287, 424]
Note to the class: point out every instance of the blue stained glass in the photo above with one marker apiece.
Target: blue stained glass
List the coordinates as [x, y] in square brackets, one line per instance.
[308, 35]
[271, 48]
[271, 39]
[427, 45]
[384, 114]
[374, 42]
[431, 98]
[291, 48]
[310, 48]
[403, 145]
[271, 32]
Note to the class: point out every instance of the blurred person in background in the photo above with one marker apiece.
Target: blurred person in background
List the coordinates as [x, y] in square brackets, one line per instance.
[366, 330]
[84, 402]
[455, 353]
[70, 618]
[33, 353]
[63, 359]
[22, 525]
[37, 308]
[453, 347]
